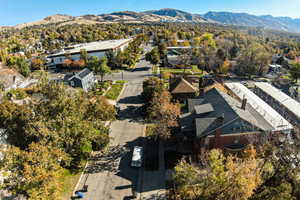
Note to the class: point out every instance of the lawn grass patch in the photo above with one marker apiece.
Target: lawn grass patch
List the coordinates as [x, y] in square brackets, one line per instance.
[193, 69]
[115, 90]
[150, 130]
[69, 181]
[285, 77]
[154, 70]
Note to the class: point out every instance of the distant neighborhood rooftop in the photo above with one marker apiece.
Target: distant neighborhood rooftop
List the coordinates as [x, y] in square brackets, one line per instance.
[94, 46]
[281, 97]
[260, 106]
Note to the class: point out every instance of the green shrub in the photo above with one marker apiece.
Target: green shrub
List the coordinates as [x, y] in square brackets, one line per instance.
[17, 94]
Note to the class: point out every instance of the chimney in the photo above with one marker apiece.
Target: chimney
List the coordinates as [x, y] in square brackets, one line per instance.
[14, 79]
[244, 103]
[201, 86]
[220, 120]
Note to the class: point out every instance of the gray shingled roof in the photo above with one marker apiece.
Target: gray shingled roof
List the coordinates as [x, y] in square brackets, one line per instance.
[205, 124]
[204, 108]
[84, 73]
[192, 103]
[234, 116]
[80, 75]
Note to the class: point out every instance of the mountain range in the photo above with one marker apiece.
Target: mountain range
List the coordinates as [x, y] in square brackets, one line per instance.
[172, 15]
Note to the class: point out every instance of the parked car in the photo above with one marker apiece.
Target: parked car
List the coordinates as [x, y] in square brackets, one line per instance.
[137, 157]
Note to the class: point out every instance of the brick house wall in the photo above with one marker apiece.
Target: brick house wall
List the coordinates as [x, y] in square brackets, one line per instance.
[219, 141]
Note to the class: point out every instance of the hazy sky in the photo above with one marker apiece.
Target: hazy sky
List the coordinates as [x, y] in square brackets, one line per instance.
[14, 12]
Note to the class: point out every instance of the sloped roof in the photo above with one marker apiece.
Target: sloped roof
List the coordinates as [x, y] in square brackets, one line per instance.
[7, 76]
[204, 124]
[204, 108]
[192, 103]
[230, 108]
[265, 110]
[84, 73]
[80, 75]
[184, 87]
[291, 104]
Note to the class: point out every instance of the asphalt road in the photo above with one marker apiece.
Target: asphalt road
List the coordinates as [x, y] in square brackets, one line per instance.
[137, 74]
[109, 176]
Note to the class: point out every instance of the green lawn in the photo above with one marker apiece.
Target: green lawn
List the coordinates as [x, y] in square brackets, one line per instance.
[285, 77]
[114, 92]
[154, 70]
[150, 130]
[194, 69]
[69, 181]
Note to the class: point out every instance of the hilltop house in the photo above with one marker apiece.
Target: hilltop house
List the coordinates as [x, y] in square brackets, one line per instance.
[99, 49]
[83, 79]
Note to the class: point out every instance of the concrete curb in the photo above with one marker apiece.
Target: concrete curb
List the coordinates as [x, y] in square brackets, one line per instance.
[106, 91]
[124, 86]
[79, 181]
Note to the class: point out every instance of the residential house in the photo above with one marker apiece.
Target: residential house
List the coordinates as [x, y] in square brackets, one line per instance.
[84, 79]
[179, 57]
[11, 79]
[218, 120]
[181, 89]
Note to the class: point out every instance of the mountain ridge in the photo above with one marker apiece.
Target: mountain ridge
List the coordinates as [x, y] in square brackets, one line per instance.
[266, 21]
[287, 24]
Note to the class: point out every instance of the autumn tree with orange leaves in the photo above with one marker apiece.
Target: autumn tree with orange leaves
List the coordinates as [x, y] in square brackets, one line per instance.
[164, 113]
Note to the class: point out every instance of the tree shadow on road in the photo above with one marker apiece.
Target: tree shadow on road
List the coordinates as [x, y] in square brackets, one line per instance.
[132, 100]
[133, 113]
[139, 69]
[106, 161]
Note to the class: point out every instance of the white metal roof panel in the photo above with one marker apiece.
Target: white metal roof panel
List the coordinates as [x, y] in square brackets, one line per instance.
[290, 103]
[269, 114]
[94, 46]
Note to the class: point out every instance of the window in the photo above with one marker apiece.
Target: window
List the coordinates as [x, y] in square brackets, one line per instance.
[72, 83]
